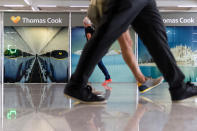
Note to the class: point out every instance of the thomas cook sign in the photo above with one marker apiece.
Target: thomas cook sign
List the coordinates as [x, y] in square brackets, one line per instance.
[180, 18]
[36, 19]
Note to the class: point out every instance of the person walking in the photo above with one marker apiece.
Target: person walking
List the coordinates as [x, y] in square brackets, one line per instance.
[145, 19]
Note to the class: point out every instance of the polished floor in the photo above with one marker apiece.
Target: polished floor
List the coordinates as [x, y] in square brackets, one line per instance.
[43, 107]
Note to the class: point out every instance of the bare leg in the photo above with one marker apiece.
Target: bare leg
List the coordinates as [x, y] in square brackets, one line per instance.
[126, 43]
[133, 122]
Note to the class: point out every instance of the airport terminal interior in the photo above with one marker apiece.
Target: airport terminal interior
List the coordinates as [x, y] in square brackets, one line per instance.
[41, 42]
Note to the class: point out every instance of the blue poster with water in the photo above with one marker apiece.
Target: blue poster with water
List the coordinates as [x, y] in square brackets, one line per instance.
[183, 44]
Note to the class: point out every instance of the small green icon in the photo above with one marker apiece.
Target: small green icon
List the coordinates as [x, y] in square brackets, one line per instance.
[12, 51]
[11, 114]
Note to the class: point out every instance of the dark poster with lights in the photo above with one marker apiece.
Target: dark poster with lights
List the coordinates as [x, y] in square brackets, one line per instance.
[35, 47]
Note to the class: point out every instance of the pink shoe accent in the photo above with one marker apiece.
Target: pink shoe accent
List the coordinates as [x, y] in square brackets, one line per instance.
[106, 82]
[109, 80]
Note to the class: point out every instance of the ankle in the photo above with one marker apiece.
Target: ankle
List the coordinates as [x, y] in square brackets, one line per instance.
[141, 79]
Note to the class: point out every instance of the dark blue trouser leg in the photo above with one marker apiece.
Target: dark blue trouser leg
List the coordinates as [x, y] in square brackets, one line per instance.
[104, 70]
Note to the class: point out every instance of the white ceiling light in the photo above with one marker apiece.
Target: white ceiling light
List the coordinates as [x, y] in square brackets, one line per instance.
[47, 6]
[79, 6]
[186, 5]
[13, 5]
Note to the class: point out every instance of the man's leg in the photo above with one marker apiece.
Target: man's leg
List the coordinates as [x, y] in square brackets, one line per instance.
[126, 44]
[115, 21]
[144, 83]
[151, 30]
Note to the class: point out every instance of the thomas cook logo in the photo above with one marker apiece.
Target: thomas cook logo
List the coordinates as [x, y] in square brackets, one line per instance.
[15, 19]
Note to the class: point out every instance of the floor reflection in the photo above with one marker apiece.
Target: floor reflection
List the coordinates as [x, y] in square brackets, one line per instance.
[43, 107]
[182, 117]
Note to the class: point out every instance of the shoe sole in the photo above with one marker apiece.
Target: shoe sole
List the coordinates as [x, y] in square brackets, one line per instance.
[98, 93]
[189, 99]
[84, 102]
[152, 86]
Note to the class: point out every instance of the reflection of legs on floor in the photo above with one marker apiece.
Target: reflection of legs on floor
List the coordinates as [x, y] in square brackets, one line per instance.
[88, 116]
[182, 118]
[144, 106]
[133, 122]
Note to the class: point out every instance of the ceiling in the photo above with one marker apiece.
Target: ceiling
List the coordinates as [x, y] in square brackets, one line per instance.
[81, 5]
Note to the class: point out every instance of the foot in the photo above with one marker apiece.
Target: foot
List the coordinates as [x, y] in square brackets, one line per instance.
[188, 91]
[106, 82]
[149, 84]
[83, 94]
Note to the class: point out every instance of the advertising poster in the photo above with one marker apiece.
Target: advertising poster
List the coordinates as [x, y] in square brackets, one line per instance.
[35, 48]
[181, 29]
[113, 61]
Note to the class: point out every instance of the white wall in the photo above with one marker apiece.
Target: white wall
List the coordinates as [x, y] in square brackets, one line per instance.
[1, 29]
